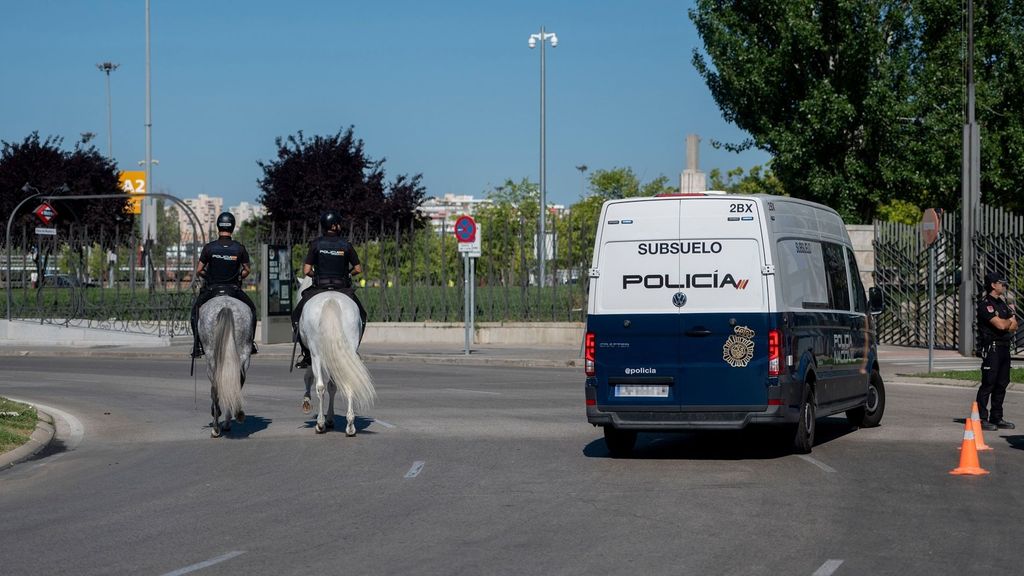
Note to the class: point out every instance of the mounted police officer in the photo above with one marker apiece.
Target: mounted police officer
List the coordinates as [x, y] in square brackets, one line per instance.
[997, 323]
[331, 260]
[223, 264]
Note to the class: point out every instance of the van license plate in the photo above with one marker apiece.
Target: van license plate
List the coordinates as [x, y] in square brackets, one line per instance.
[635, 391]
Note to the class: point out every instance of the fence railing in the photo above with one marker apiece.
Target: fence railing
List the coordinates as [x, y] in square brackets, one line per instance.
[89, 278]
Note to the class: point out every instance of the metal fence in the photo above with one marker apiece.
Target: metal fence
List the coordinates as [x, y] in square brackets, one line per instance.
[901, 271]
[89, 278]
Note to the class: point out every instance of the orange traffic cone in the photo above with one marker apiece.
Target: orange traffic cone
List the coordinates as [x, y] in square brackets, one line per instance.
[968, 455]
[979, 438]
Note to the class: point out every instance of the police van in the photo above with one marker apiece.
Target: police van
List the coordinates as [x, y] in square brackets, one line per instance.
[712, 311]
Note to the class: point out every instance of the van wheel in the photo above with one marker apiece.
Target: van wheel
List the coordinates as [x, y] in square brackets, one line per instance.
[870, 414]
[619, 442]
[803, 439]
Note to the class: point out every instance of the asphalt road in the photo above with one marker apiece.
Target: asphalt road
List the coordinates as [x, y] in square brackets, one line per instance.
[483, 470]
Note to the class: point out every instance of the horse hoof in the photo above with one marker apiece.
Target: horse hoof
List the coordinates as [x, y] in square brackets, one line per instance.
[307, 407]
[240, 417]
[320, 428]
[330, 424]
[215, 432]
[350, 430]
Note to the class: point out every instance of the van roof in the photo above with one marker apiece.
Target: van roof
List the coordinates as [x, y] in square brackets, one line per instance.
[790, 216]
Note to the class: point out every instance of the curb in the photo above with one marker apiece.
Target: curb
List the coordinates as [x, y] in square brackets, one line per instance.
[41, 438]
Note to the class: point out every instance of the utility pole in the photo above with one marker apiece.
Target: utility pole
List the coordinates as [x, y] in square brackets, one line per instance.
[583, 177]
[148, 205]
[108, 67]
[970, 199]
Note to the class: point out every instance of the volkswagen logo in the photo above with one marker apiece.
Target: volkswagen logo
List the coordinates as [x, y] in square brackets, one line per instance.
[679, 299]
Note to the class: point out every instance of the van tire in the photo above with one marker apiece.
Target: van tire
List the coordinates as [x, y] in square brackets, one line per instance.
[870, 414]
[803, 438]
[619, 442]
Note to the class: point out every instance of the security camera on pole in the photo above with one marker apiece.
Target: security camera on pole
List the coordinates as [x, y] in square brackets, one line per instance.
[467, 234]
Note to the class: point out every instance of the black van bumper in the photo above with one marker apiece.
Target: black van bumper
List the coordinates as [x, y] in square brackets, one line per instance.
[704, 418]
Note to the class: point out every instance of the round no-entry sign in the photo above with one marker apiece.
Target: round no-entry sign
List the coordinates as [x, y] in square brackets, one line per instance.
[465, 229]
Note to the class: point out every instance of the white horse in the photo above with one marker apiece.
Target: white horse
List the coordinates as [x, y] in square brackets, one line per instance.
[330, 327]
[225, 329]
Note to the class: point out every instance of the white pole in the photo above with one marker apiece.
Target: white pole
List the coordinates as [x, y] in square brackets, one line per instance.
[465, 299]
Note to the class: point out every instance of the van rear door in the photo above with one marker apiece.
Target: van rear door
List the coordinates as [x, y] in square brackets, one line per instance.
[636, 335]
[724, 318]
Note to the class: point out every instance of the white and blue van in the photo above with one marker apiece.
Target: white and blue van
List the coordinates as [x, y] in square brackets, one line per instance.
[713, 311]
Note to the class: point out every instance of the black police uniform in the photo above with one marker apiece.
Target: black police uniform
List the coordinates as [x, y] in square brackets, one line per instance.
[994, 345]
[332, 259]
[222, 267]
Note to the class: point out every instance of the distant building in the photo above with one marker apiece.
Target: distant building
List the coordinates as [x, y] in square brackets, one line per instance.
[443, 212]
[246, 211]
[207, 209]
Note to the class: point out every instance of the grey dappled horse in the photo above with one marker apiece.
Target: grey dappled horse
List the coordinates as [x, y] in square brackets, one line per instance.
[225, 329]
[330, 328]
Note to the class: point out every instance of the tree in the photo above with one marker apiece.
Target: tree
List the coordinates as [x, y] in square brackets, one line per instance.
[623, 183]
[860, 103]
[47, 167]
[754, 182]
[310, 176]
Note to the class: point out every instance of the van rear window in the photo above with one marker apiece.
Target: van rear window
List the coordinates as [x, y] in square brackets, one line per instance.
[684, 275]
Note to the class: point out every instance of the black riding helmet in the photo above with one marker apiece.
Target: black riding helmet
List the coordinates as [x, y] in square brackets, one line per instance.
[226, 222]
[330, 218]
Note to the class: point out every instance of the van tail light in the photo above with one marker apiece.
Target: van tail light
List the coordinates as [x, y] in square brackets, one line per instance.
[774, 352]
[589, 350]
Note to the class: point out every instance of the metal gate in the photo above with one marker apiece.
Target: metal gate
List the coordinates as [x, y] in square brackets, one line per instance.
[901, 271]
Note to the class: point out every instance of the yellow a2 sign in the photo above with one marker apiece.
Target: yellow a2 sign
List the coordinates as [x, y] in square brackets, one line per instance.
[133, 182]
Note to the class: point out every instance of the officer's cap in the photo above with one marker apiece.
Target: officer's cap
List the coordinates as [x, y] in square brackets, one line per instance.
[993, 277]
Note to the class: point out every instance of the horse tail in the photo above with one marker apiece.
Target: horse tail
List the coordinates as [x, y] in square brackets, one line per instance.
[227, 365]
[343, 364]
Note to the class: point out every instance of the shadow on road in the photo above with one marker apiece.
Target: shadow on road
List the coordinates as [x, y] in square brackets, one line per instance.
[752, 443]
[339, 424]
[1016, 441]
[252, 425]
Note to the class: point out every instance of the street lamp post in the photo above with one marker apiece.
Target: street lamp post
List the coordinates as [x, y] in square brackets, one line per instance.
[543, 37]
[108, 67]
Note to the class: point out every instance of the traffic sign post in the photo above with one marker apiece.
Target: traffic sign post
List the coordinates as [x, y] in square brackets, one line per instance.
[467, 234]
[45, 213]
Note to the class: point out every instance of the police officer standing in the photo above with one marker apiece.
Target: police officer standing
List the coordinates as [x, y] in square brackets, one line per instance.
[331, 260]
[997, 322]
[223, 264]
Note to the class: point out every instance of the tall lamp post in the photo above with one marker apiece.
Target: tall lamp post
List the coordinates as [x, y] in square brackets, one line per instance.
[107, 68]
[970, 198]
[543, 37]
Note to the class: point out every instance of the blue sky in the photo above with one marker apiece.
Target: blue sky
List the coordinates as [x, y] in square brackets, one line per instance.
[448, 89]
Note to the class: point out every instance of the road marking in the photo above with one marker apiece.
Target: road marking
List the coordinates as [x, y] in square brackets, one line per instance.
[472, 391]
[413, 472]
[205, 564]
[819, 464]
[75, 428]
[828, 568]
[383, 423]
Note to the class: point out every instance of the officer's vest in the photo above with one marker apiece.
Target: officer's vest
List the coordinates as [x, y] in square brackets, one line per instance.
[332, 262]
[225, 266]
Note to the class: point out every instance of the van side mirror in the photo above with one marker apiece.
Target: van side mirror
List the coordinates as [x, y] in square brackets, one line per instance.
[875, 302]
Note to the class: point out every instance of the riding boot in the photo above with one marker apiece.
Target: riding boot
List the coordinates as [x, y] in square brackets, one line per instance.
[197, 348]
[304, 361]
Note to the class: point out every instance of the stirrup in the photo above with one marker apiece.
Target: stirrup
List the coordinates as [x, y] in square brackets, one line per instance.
[254, 350]
[198, 352]
[303, 362]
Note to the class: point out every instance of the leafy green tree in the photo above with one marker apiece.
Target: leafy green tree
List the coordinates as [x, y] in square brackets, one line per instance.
[861, 103]
[310, 176]
[46, 166]
[624, 183]
[757, 181]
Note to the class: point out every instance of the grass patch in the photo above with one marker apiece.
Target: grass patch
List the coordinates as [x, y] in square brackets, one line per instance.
[17, 422]
[1016, 375]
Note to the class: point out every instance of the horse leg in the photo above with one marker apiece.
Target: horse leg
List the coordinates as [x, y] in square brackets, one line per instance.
[215, 413]
[350, 416]
[321, 426]
[307, 404]
[332, 389]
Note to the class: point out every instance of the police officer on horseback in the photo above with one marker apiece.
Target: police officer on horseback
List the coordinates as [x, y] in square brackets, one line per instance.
[223, 264]
[332, 261]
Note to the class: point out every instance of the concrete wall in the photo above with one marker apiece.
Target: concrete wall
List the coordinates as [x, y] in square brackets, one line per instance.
[28, 333]
[500, 333]
[862, 236]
